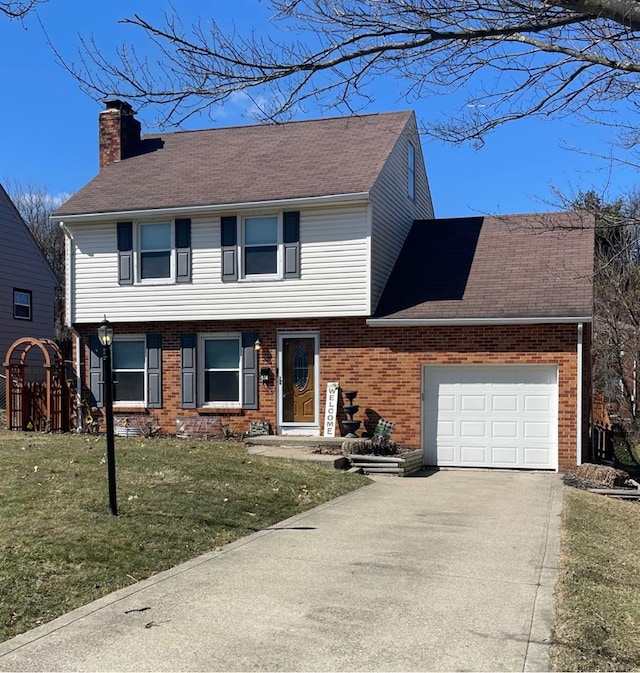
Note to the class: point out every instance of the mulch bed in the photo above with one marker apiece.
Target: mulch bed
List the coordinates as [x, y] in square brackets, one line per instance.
[336, 450]
[588, 476]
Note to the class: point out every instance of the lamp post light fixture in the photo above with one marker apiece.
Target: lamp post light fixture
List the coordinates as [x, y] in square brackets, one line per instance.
[105, 336]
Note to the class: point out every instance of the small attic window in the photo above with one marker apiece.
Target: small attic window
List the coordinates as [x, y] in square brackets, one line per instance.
[411, 173]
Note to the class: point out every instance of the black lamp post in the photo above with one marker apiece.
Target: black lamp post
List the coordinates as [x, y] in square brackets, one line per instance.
[105, 336]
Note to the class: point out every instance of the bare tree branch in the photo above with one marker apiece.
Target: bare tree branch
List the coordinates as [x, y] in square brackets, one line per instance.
[512, 59]
[18, 9]
[616, 345]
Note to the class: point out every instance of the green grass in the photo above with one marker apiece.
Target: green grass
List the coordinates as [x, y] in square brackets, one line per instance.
[598, 593]
[59, 547]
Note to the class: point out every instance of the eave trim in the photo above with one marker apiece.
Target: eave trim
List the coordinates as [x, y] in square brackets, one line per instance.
[445, 322]
[216, 208]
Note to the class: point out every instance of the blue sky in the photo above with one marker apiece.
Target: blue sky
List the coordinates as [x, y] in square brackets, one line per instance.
[48, 126]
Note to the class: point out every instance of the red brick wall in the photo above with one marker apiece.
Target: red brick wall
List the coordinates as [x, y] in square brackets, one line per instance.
[384, 364]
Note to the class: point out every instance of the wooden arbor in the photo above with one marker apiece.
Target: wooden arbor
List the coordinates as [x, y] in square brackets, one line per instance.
[36, 402]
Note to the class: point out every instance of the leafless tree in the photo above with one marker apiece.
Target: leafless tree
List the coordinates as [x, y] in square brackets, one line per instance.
[35, 205]
[18, 9]
[510, 58]
[616, 345]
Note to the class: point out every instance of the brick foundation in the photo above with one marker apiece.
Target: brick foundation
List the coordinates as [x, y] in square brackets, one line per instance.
[384, 364]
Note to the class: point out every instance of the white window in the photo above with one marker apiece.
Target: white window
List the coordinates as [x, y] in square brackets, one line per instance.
[129, 370]
[220, 365]
[411, 175]
[261, 241]
[22, 304]
[156, 251]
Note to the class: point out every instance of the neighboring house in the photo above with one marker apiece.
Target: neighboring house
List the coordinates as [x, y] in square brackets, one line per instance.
[27, 282]
[314, 240]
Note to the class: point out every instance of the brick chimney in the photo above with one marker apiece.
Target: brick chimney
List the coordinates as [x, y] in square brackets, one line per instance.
[119, 132]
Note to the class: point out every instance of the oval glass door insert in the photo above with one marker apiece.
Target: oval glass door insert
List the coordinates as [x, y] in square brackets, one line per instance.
[300, 374]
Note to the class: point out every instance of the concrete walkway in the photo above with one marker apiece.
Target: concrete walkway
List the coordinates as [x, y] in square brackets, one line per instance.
[450, 572]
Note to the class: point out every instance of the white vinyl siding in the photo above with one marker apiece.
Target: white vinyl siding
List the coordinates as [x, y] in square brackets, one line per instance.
[334, 275]
[393, 211]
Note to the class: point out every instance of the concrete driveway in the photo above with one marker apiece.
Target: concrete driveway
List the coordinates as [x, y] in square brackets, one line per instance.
[450, 572]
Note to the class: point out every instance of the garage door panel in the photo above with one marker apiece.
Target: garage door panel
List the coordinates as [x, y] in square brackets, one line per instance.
[540, 456]
[504, 402]
[504, 456]
[472, 455]
[537, 430]
[473, 429]
[504, 430]
[446, 453]
[446, 429]
[540, 403]
[473, 403]
[447, 402]
[492, 416]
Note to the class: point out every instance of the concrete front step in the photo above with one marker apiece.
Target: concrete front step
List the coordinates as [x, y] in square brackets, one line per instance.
[296, 447]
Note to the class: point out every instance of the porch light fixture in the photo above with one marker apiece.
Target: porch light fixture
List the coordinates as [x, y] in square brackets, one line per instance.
[258, 344]
[105, 332]
[105, 336]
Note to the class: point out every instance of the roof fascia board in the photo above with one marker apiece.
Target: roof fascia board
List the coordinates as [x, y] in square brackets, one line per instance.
[446, 322]
[333, 199]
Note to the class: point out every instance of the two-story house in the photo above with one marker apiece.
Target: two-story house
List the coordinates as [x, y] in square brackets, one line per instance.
[245, 268]
[28, 283]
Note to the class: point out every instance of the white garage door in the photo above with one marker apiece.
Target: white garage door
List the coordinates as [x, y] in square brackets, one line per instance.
[491, 416]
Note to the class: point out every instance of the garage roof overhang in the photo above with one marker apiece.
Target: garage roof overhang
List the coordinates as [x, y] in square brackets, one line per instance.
[446, 322]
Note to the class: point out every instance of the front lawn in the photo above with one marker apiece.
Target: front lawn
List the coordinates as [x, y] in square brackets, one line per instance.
[59, 547]
[598, 592]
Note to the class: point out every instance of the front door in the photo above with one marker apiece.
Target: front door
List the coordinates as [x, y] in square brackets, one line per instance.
[298, 379]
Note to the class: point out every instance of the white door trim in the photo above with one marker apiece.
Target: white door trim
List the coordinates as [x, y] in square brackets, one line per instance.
[300, 428]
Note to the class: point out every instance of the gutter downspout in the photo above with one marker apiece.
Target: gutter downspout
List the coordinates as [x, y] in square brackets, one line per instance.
[579, 394]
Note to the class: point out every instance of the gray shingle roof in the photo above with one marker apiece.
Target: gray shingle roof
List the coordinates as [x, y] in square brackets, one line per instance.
[516, 266]
[245, 164]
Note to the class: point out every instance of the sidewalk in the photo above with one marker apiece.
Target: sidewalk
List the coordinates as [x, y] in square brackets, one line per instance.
[453, 571]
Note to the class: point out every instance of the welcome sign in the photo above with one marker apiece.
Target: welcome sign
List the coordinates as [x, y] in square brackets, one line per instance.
[331, 409]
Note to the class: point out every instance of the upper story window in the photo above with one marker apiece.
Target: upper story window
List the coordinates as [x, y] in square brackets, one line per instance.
[411, 172]
[266, 246]
[261, 240]
[22, 304]
[154, 252]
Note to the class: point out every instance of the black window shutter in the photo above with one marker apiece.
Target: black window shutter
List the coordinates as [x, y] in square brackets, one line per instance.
[154, 371]
[188, 370]
[183, 251]
[125, 253]
[229, 247]
[95, 372]
[249, 371]
[291, 237]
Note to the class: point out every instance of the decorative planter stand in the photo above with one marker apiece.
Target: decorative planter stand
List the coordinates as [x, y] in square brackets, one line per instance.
[401, 465]
[350, 409]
